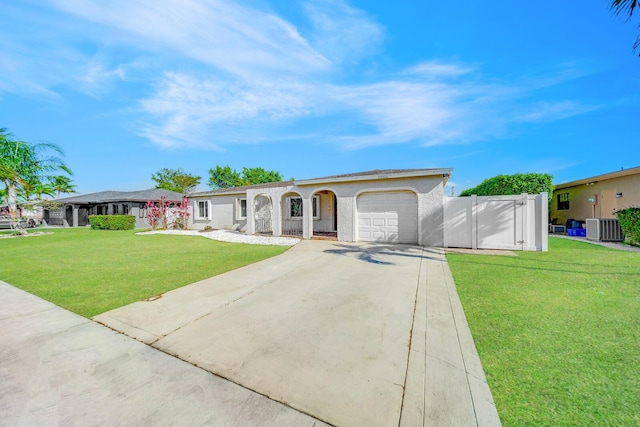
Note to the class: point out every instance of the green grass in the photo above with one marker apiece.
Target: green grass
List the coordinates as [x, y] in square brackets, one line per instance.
[558, 333]
[93, 271]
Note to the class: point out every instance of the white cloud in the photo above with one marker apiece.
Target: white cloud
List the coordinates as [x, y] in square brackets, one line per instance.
[96, 77]
[341, 32]
[435, 69]
[552, 111]
[183, 106]
[218, 73]
[218, 33]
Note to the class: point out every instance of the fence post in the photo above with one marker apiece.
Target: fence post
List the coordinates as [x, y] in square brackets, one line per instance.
[543, 221]
[525, 239]
[474, 221]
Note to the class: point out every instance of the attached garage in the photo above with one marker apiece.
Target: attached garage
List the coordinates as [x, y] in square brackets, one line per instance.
[387, 206]
[389, 216]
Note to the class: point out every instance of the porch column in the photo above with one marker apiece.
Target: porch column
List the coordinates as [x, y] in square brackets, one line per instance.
[75, 216]
[307, 218]
[276, 215]
[250, 214]
[65, 223]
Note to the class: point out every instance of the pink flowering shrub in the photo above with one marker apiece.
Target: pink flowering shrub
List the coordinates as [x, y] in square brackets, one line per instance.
[182, 215]
[163, 214]
[157, 213]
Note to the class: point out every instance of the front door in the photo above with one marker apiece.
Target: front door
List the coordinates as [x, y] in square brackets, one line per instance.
[608, 204]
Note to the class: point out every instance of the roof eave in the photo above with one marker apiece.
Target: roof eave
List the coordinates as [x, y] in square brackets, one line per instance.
[603, 177]
[445, 173]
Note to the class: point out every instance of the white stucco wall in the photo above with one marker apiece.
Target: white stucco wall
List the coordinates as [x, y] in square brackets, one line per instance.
[222, 213]
[429, 192]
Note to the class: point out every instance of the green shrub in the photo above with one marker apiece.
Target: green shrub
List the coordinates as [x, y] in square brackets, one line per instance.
[630, 223]
[505, 185]
[112, 222]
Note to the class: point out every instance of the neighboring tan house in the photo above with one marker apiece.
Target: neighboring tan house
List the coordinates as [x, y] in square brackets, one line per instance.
[596, 197]
[74, 211]
[399, 206]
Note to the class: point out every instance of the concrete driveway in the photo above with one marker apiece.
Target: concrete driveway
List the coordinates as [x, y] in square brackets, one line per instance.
[350, 334]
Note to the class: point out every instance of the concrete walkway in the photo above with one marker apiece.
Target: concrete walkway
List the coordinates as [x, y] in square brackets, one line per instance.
[347, 334]
[611, 245]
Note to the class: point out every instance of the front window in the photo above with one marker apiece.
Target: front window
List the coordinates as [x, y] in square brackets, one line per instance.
[203, 209]
[242, 208]
[563, 201]
[295, 207]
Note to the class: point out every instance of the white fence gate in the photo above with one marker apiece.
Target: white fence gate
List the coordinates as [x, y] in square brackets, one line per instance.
[497, 222]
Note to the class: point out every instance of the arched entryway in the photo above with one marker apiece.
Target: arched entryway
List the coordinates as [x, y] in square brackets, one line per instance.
[325, 215]
[263, 214]
[292, 214]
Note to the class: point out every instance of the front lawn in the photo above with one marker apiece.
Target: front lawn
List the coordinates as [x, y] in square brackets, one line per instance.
[558, 333]
[93, 271]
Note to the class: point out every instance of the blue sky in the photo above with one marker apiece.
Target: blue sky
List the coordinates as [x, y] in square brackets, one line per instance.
[321, 87]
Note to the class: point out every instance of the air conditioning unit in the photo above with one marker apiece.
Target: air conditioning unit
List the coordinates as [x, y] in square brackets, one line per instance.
[604, 230]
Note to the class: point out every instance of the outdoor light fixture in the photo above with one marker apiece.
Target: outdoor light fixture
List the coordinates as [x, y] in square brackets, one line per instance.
[618, 195]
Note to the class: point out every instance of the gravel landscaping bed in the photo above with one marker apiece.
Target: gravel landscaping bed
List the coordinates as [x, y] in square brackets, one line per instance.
[232, 237]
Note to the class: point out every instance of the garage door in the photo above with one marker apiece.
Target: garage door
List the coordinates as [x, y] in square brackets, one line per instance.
[388, 217]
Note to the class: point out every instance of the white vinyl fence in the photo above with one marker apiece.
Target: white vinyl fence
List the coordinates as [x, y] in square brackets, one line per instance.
[497, 222]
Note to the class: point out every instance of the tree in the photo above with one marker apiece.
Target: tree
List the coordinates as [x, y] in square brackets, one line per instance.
[24, 164]
[626, 8]
[62, 184]
[40, 189]
[176, 180]
[503, 185]
[252, 176]
[225, 177]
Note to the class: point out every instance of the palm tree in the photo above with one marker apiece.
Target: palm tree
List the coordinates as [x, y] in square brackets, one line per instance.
[62, 184]
[23, 164]
[626, 7]
[40, 189]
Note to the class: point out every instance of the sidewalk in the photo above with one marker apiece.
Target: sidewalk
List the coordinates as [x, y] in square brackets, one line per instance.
[60, 369]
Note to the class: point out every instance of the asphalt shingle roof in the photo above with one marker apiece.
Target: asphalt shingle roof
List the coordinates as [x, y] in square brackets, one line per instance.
[123, 196]
[375, 172]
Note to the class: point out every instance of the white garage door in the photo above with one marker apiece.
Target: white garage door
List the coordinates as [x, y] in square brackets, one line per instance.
[388, 217]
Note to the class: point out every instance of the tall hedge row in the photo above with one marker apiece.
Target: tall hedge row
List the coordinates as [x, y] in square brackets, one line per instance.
[630, 223]
[112, 222]
[504, 185]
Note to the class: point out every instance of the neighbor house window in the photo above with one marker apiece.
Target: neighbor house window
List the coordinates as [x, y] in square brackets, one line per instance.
[115, 209]
[202, 209]
[295, 207]
[125, 209]
[242, 208]
[142, 210]
[563, 201]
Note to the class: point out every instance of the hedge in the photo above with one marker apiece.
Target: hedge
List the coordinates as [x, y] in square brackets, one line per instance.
[630, 223]
[112, 222]
[505, 185]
